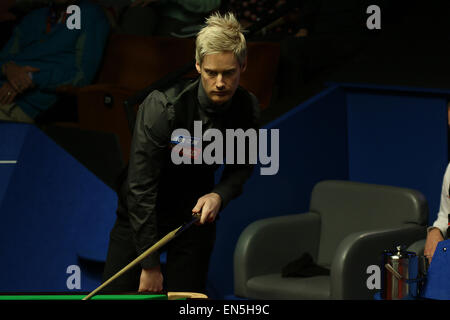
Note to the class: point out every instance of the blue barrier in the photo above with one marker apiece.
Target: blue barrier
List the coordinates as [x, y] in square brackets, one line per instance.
[51, 207]
[437, 285]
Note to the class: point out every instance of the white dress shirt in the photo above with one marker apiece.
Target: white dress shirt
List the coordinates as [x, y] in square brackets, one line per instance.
[444, 209]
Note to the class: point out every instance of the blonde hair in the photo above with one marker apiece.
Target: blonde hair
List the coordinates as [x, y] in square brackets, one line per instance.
[221, 33]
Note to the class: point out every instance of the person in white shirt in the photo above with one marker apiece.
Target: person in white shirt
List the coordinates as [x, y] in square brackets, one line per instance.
[437, 231]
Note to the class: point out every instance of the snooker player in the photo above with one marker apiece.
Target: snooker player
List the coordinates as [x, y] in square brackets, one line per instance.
[157, 195]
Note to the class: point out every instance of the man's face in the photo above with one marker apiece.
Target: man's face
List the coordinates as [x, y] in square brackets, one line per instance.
[220, 73]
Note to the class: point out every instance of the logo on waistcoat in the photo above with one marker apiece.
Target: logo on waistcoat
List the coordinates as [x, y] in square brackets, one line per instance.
[186, 146]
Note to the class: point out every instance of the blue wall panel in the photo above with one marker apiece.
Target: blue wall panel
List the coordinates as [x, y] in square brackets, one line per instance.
[398, 139]
[11, 142]
[43, 215]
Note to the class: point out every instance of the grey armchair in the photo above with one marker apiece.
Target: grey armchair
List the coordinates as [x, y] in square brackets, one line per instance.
[348, 226]
[418, 247]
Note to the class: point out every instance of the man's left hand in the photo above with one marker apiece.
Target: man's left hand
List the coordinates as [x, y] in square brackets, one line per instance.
[18, 76]
[208, 206]
[7, 93]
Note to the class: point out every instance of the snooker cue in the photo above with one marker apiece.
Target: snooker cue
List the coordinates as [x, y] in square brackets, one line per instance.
[150, 250]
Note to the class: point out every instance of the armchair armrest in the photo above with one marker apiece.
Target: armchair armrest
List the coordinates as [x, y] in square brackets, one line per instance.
[267, 245]
[107, 87]
[418, 247]
[361, 249]
[67, 90]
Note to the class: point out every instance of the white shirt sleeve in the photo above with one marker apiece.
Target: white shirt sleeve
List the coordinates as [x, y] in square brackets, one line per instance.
[444, 208]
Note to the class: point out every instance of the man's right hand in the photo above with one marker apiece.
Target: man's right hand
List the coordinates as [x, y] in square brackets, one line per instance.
[151, 280]
[7, 93]
[433, 237]
[18, 76]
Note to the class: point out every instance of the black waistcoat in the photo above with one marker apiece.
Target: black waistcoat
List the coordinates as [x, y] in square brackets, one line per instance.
[180, 186]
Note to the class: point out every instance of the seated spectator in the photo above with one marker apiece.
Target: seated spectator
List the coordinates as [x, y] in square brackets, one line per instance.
[179, 18]
[182, 18]
[11, 11]
[438, 231]
[250, 12]
[43, 54]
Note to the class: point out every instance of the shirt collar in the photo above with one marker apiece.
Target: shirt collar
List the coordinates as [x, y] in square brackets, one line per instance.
[207, 105]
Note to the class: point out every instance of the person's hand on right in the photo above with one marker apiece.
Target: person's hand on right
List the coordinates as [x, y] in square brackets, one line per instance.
[433, 237]
[151, 280]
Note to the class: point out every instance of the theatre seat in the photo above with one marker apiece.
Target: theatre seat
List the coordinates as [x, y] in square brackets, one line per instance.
[347, 228]
[130, 64]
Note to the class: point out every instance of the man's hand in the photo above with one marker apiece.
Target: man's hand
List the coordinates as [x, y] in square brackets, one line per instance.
[18, 76]
[7, 93]
[151, 280]
[434, 236]
[209, 206]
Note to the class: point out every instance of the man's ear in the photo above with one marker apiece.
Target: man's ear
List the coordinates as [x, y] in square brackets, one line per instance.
[197, 66]
[244, 65]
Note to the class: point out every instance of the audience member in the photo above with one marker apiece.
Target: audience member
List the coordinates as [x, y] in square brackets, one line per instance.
[44, 54]
[438, 230]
